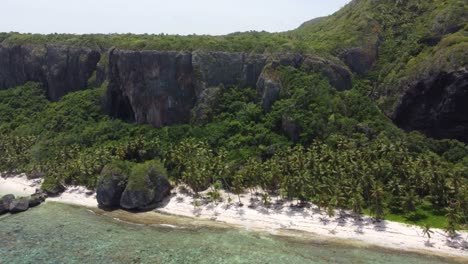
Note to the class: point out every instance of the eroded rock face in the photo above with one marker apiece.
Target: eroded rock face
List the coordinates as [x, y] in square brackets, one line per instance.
[268, 88]
[62, 69]
[5, 202]
[361, 59]
[143, 197]
[109, 189]
[162, 88]
[37, 198]
[151, 87]
[19, 205]
[436, 106]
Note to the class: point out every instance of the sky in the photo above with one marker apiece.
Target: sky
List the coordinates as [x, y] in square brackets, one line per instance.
[213, 17]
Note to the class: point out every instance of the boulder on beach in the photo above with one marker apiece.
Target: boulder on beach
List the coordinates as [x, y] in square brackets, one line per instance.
[51, 187]
[111, 184]
[147, 185]
[19, 205]
[5, 202]
[37, 198]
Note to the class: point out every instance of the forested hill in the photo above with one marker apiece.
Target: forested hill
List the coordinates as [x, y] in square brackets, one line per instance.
[321, 113]
[403, 48]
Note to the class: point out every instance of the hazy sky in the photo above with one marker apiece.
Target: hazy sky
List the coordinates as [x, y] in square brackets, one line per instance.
[213, 17]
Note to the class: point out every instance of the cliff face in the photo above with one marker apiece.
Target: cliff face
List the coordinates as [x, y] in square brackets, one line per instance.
[436, 106]
[62, 69]
[162, 88]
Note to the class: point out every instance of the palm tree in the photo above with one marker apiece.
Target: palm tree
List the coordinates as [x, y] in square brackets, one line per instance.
[377, 201]
[356, 202]
[453, 218]
[427, 231]
[409, 201]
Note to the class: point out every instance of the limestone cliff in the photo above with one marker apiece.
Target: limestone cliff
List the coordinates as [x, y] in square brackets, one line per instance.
[436, 106]
[62, 69]
[162, 88]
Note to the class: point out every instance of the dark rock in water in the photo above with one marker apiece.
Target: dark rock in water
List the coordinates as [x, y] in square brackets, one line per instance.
[62, 69]
[143, 191]
[37, 198]
[19, 205]
[109, 189]
[436, 106]
[5, 202]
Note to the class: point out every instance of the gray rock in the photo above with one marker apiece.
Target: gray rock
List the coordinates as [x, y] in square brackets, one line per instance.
[338, 76]
[165, 88]
[37, 198]
[5, 202]
[145, 198]
[109, 189]
[207, 100]
[62, 69]
[19, 205]
[143, 193]
[360, 59]
[268, 88]
[436, 105]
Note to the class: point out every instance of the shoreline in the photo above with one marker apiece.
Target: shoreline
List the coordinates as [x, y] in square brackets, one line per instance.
[282, 220]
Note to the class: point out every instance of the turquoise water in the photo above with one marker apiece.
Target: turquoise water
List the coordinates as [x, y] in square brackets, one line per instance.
[58, 233]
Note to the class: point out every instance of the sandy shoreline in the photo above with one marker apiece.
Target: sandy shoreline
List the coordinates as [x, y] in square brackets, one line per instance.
[20, 185]
[278, 219]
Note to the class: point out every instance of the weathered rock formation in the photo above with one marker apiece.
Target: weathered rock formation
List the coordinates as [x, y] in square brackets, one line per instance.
[162, 88]
[5, 202]
[19, 205]
[62, 69]
[436, 106]
[37, 198]
[165, 88]
[156, 187]
[110, 187]
[10, 204]
[138, 189]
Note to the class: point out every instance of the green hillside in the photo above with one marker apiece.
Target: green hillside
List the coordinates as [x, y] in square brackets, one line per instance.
[336, 149]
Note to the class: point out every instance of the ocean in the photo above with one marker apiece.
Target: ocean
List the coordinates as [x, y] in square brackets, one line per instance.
[60, 233]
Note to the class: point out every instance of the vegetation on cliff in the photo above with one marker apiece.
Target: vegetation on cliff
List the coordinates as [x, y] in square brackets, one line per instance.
[336, 149]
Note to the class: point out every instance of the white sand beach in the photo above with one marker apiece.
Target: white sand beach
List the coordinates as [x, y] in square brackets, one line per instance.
[254, 216]
[20, 185]
[281, 219]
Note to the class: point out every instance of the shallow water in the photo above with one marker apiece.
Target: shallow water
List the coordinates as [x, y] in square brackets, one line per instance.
[59, 233]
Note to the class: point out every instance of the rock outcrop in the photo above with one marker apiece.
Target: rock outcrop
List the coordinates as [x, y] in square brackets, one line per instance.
[110, 188]
[436, 106]
[361, 59]
[142, 194]
[132, 187]
[268, 87]
[37, 198]
[62, 69]
[10, 204]
[19, 205]
[162, 88]
[5, 202]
